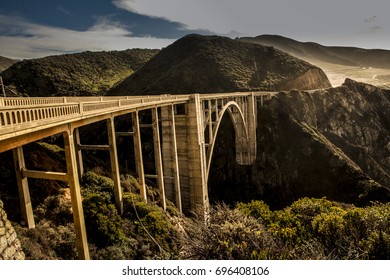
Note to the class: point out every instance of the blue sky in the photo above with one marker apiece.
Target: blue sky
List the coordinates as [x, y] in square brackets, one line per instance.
[36, 28]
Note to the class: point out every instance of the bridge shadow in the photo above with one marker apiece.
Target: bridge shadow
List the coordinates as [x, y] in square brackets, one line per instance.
[228, 181]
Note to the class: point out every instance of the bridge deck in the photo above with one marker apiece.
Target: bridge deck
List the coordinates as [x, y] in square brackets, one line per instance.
[21, 116]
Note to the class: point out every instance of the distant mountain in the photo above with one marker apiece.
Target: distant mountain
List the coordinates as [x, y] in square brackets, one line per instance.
[86, 73]
[339, 63]
[204, 64]
[6, 63]
[336, 55]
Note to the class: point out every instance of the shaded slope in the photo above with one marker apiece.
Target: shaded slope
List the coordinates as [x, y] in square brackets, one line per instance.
[6, 63]
[87, 73]
[309, 51]
[331, 143]
[217, 64]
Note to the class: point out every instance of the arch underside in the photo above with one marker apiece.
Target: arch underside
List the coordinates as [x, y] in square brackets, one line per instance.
[244, 153]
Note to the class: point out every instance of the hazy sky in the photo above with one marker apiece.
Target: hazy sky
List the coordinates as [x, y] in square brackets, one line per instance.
[36, 28]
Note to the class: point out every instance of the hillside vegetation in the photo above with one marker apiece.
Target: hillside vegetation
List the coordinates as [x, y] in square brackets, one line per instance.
[307, 229]
[205, 64]
[86, 73]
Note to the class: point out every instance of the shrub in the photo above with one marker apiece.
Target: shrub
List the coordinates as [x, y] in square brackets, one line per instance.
[378, 246]
[328, 228]
[56, 208]
[257, 209]
[103, 222]
[288, 227]
[150, 225]
[308, 208]
[93, 183]
[231, 234]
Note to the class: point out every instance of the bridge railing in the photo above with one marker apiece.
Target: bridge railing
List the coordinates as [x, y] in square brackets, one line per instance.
[37, 114]
[38, 101]
[21, 113]
[234, 94]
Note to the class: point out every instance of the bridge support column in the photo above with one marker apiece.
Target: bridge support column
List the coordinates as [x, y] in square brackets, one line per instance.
[158, 157]
[114, 165]
[252, 125]
[138, 155]
[24, 193]
[77, 207]
[242, 154]
[197, 165]
[170, 156]
[79, 153]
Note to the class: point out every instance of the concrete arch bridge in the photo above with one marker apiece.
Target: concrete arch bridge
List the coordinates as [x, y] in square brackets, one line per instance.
[184, 132]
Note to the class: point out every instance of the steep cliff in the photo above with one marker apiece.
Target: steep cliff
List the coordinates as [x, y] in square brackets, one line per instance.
[331, 143]
[218, 64]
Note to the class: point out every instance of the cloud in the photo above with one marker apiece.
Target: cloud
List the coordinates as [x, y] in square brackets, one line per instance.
[23, 39]
[326, 22]
[219, 16]
[371, 19]
[64, 11]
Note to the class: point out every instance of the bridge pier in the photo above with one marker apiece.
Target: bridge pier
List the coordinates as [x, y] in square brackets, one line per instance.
[158, 157]
[197, 169]
[79, 153]
[74, 185]
[170, 156]
[112, 149]
[115, 174]
[24, 193]
[252, 126]
[138, 155]
[71, 177]
[192, 158]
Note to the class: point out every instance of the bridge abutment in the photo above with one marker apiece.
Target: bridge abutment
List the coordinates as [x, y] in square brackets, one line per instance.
[196, 161]
[190, 158]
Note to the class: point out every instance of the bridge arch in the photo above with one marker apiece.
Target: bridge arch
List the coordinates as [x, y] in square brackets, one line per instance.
[240, 129]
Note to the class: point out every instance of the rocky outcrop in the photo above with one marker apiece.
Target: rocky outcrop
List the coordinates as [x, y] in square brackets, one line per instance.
[307, 80]
[332, 143]
[10, 248]
[205, 64]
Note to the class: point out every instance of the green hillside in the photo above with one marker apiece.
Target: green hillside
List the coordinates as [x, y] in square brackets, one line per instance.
[86, 73]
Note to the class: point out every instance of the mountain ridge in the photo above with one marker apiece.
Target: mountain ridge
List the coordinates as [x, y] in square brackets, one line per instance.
[370, 66]
[351, 56]
[207, 64]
